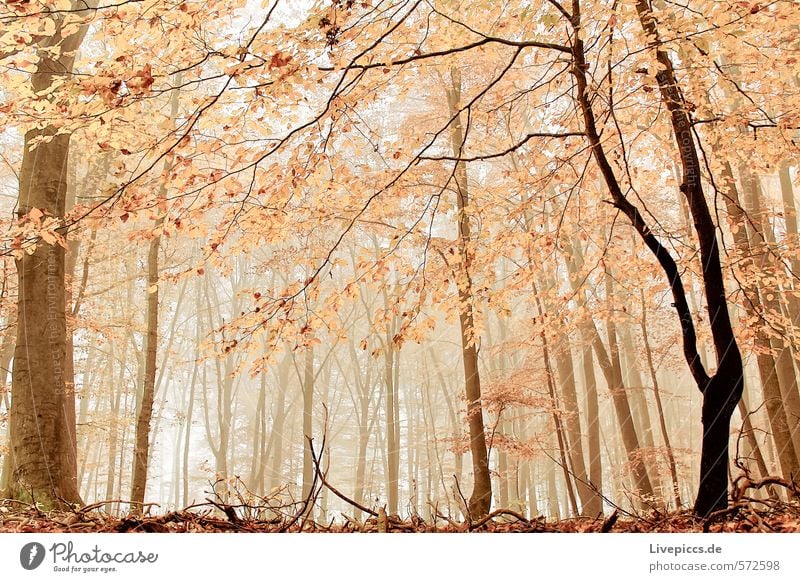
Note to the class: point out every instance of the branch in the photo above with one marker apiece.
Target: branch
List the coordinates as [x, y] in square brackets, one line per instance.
[451, 51]
[619, 201]
[333, 489]
[561, 9]
[506, 151]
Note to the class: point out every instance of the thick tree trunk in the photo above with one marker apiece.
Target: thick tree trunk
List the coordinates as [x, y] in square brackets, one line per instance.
[42, 414]
[790, 217]
[721, 392]
[42, 418]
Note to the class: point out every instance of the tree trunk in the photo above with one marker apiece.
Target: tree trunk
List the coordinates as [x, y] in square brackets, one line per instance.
[481, 498]
[392, 444]
[279, 413]
[114, 398]
[722, 391]
[42, 417]
[595, 506]
[641, 408]
[6, 351]
[619, 396]
[308, 422]
[613, 376]
[141, 449]
[662, 422]
[562, 444]
[569, 395]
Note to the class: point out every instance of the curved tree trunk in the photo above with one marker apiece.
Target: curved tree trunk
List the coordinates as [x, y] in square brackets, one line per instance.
[722, 391]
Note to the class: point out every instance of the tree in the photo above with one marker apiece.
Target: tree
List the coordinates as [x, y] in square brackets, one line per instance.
[141, 451]
[481, 498]
[43, 409]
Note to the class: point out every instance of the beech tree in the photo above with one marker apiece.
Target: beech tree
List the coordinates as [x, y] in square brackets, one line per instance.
[42, 419]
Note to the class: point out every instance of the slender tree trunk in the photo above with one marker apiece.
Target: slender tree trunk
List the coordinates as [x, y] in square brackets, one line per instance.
[6, 351]
[553, 508]
[481, 498]
[749, 435]
[595, 507]
[662, 422]
[187, 437]
[114, 398]
[308, 421]
[279, 422]
[562, 444]
[392, 443]
[142, 438]
[141, 451]
[259, 434]
[455, 425]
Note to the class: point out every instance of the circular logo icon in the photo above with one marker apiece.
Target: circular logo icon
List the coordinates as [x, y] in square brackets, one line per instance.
[31, 555]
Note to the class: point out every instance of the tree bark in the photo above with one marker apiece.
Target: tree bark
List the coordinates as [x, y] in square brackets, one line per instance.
[481, 498]
[722, 391]
[308, 422]
[662, 421]
[392, 428]
[42, 418]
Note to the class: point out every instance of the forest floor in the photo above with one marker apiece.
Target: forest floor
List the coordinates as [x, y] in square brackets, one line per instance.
[749, 516]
